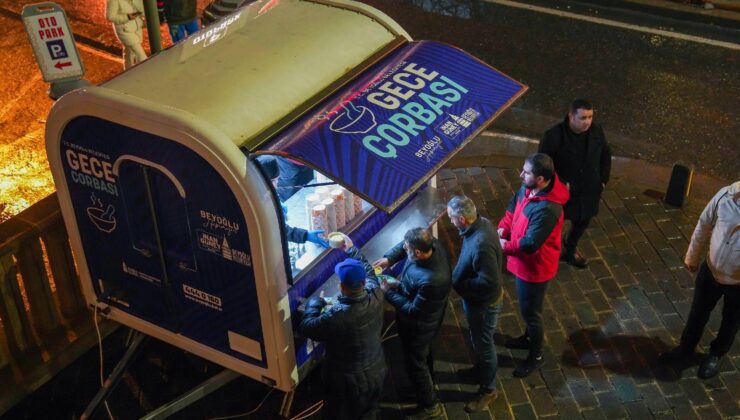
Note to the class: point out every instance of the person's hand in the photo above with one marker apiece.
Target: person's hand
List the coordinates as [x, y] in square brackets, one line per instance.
[382, 263]
[386, 285]
[500, 232]
[502, 242]
[347, 243]
[691, 267]
[567, 185]
[313, 237]
[316, 302]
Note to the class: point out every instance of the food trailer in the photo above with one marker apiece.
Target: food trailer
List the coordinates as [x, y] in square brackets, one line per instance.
[178, 230]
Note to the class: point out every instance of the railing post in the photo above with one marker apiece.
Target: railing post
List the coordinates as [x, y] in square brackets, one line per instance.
[61, 262]
[36, 283]
[16, 324]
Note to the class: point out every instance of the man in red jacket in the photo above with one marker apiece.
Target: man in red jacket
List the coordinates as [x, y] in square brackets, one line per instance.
[530, 237]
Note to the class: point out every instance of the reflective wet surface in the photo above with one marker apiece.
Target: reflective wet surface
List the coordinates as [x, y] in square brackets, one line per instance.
[658, 98]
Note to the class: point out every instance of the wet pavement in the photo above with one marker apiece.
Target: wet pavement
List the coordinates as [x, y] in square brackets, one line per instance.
[604, 326]
[660, 99]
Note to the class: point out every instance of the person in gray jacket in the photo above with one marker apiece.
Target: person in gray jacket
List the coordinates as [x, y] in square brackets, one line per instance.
[477, 279]
[718, 276]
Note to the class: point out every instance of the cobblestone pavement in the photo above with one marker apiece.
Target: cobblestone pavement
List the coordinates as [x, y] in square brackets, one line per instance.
[604, 328]
[604, 325]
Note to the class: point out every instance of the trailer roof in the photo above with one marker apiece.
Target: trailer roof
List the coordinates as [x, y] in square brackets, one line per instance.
[257, 70]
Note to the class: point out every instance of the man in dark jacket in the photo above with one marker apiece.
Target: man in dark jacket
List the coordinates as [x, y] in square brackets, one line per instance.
[477, 279]
[583, 162]
[420, 299]
[354, 368]
[181, 17]
[530, 237]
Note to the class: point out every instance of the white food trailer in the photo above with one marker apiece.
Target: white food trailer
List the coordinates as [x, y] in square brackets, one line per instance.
[178, 232]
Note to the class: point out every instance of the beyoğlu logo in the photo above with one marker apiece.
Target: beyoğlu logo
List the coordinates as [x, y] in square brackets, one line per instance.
[417, 109]
[211, 35]
[91, 169]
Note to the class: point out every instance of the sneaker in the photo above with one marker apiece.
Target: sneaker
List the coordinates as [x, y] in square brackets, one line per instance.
[529, 365]
[481, 401]
[676, 355]
[575, 259]
[427, 413]
[709, 367]
[521, 342]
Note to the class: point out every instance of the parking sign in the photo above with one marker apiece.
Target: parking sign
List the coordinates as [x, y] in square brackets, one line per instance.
[52, 41]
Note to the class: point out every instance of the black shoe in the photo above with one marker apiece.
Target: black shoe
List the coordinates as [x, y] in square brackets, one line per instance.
[575, 259]
[709, 367]
[676, 355]
[521, 342]
[469, 375]
[529, 365]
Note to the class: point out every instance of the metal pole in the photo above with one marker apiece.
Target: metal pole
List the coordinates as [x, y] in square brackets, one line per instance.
[152, 25]
[195, 394]
[115, 376]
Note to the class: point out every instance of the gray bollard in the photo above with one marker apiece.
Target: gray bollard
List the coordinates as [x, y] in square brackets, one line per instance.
[679, 185]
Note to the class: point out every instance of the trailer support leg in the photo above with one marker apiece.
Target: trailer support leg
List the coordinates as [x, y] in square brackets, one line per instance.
[195, 394]
[287, 404]
[115, 377]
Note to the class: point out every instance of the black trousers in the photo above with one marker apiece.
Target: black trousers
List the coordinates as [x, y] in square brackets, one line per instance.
[531, 299]
[577, 229]
[706, 295]
[417, 355]
[353, 395]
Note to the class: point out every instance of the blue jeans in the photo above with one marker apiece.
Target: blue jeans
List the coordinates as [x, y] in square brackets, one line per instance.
[531, 298]
[482, 320]
[707, 294]
[178, 32]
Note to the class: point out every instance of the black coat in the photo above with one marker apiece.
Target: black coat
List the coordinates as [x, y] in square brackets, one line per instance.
[477, 275]
[354, 369]
[421, 298]
[585, 171]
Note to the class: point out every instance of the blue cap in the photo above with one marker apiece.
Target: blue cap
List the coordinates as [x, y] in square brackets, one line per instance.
[351, 273]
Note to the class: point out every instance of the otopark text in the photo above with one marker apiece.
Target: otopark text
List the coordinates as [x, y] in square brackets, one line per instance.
[416, 109]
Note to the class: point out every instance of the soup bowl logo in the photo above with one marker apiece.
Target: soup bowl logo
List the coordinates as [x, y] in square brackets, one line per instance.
[353, 120]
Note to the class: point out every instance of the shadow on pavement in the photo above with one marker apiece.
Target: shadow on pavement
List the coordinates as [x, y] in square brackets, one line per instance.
[628, 355]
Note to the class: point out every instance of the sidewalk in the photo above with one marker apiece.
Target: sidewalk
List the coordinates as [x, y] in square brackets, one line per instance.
[604, 326]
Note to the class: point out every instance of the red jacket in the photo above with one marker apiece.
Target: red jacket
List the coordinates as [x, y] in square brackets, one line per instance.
[532, 226]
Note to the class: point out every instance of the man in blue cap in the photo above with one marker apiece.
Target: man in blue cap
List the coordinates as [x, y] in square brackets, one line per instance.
[354, 368]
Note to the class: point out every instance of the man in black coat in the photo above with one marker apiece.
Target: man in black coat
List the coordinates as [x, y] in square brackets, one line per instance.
[477, 279]
[354, 368]
[583, 162]
[420, 299]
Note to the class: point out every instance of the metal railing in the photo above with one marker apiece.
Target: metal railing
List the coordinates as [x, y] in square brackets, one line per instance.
[45, 324]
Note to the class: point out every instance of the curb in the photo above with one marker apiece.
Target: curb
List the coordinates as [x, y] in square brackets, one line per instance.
[508, 150]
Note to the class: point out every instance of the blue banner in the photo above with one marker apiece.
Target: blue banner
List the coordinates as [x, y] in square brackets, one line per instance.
[395, 125]
[164, 237]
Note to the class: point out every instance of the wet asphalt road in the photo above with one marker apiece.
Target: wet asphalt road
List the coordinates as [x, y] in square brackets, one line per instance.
[658, 98]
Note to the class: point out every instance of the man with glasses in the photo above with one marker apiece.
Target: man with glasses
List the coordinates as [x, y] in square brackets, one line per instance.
[477, 279]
